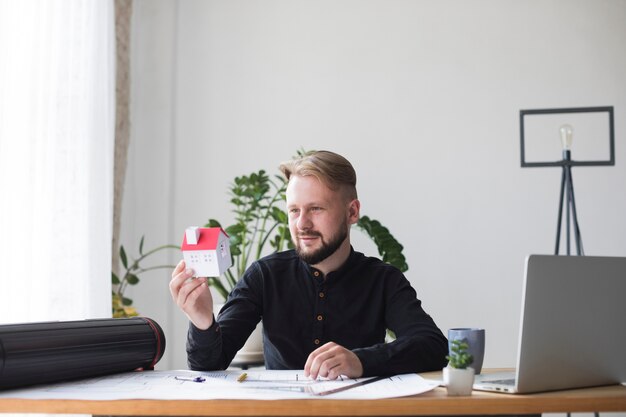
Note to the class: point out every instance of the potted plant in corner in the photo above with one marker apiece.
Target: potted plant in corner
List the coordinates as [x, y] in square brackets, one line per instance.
[458, 377]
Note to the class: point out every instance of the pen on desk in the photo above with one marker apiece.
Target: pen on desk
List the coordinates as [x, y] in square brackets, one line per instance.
[242, 377]
[196, 379]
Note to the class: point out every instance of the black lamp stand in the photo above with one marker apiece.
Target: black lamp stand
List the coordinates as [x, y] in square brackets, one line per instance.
[567, 191]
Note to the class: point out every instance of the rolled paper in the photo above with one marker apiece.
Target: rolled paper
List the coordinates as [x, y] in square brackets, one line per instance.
[46, 352]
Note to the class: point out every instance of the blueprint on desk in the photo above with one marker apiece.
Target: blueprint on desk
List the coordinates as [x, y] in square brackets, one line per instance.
[193, 385]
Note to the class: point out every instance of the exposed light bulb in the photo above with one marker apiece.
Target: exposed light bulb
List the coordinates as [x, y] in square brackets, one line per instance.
[566, 137]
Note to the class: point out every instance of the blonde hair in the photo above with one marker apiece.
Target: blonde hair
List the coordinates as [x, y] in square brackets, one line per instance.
[331, 169]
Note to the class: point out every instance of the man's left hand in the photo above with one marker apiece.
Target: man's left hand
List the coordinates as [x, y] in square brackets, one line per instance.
[331, 360]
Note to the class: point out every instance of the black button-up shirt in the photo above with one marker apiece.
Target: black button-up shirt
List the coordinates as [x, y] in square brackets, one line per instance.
[302, 309]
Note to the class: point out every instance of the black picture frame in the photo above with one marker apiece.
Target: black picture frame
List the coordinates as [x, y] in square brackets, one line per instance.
[601, 109]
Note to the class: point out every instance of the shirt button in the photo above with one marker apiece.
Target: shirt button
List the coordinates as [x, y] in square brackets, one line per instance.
[321, 295]
[319, 317]
[316, 341]
[316, 273]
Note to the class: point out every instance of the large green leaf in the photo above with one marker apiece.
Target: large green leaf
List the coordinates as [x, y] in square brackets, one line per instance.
[132, 279]
[123, 257]
[388, 247]
[213, 223]
[235, 229]
[279, 215]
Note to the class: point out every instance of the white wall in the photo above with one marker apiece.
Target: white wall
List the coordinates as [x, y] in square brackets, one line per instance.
[422, 96]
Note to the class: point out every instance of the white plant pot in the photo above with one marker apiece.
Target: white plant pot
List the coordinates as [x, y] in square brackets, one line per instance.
[458, 381]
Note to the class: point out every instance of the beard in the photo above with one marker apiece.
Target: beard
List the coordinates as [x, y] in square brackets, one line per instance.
[328, 248]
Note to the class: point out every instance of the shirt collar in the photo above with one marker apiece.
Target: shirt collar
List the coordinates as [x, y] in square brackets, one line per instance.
[316, 273]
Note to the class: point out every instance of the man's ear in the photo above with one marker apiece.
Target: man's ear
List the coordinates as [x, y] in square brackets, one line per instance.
[354, 211]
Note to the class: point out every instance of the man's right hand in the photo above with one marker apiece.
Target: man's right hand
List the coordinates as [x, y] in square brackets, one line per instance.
[192, 296]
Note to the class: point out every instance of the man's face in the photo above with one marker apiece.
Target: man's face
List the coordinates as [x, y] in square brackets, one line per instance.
[319, 218]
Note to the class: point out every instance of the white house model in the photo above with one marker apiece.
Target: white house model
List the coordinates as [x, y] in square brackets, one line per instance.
[206, 250]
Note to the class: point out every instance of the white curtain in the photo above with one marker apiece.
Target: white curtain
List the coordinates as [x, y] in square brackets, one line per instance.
[57, 98]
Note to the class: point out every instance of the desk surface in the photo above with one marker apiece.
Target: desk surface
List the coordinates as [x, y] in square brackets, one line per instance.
[436, 402]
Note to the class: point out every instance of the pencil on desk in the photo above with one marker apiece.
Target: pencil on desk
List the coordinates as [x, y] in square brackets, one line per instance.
[242, 377]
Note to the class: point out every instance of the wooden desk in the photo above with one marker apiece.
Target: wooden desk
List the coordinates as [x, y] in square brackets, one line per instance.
[436, 402]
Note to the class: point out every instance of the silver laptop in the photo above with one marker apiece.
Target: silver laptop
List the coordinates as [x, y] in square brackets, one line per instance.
[573, 326]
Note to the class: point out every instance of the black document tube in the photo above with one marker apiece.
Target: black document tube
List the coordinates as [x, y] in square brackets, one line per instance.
[37, 353]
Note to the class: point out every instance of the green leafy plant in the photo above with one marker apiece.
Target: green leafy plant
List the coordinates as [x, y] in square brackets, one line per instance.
[261, 224]
[122, 305]
[459, 357]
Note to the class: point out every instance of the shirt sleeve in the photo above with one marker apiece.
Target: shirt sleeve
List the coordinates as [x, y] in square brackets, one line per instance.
[214, 348]
[419, 346]
[204, 347]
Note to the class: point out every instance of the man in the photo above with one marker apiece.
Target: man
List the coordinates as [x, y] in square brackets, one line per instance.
[325, 307]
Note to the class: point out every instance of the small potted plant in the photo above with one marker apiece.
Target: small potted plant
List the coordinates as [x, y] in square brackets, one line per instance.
[458, 376]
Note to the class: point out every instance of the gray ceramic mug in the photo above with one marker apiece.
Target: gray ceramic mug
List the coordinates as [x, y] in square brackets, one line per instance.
[475, 338]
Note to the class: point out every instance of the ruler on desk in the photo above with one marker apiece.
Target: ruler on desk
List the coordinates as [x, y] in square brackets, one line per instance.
[347, 387]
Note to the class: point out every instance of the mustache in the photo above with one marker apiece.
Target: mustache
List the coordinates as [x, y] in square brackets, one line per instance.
[310, 234]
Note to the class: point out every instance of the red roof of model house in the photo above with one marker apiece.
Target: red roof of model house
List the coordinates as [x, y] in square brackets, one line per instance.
[208, 238]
